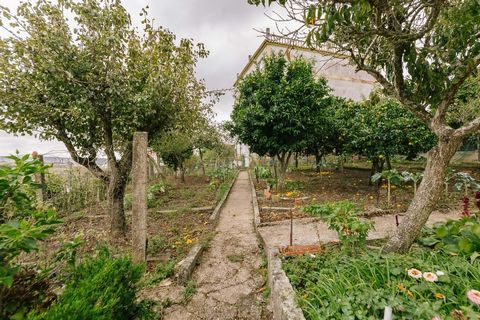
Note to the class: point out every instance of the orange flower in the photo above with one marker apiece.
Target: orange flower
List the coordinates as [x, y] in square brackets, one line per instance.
[438, 295]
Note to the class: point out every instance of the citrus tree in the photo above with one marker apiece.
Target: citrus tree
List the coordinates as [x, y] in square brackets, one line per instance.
[276, 106]
[421, 52]
[92, 82]
[379, 128]
[323, 136]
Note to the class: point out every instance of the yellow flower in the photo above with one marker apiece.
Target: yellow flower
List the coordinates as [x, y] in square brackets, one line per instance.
[401, 287]
[409, 294]
[189, 241]
[438, 295]
[289, 194]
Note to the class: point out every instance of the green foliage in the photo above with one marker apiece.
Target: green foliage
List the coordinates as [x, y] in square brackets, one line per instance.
[189, 291]
[343, 217]
[93, 85]
[17, 186]
[73, 191]
[22, 224]
[338, 286]
[154, 192]
[162, 271]
[465, 181]
[68, 251]
[294, 185]
[156, 244]
[277, 106]
[415, 177]
[18, 236]
[221, 174]
[101, 287]
[393, 176]
[262, 172]
[380, 127]
[454, 237]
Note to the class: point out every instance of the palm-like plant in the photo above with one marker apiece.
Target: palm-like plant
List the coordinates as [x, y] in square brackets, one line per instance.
[392, 176]
[415, 177]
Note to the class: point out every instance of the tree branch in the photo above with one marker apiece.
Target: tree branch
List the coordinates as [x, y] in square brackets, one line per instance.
[87, 162]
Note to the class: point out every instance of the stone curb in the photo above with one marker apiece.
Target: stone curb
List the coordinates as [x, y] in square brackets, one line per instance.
[183, 269]
[282, 296]
[216, 212]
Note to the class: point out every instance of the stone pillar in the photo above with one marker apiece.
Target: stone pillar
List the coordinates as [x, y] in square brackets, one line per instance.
[139, 199]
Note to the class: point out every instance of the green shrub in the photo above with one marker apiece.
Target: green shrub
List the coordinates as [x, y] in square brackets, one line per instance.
[156, 244]
[343, 217]
[221, 174]
[338, 286]
[101, 287]
[73, 190]
[262, 172]
[22, 226]
[293, 185]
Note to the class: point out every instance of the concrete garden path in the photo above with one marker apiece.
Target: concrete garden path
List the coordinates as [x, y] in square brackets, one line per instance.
[306, 231]
[227, 281]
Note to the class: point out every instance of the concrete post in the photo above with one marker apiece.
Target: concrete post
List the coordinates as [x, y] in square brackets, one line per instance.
[139, 203]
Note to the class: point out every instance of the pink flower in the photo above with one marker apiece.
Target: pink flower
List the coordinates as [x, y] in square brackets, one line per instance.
[430, 276]
[436, 318]
[474, 296]
[414, 273]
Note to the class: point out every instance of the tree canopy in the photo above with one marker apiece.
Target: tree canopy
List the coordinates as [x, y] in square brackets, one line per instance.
[92, 82]
[277, 106]
[380, 127]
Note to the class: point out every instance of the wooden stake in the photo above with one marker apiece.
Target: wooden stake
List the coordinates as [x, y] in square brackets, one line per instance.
[139, 197]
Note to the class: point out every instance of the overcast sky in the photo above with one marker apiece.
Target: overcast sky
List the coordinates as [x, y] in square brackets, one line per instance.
[224, 26]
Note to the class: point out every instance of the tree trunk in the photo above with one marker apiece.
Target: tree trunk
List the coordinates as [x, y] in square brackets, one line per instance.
[426, 197]
[318, 162]
[373, 170]
[200, 153]
[283, 160]
[296, 160]
[182, 173]
[389, 165]
[116, 192]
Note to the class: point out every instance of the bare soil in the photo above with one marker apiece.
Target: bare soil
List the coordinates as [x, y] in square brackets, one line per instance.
[352, 184]
[170, 235]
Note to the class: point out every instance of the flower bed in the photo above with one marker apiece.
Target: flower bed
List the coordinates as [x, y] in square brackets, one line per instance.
[423, 284]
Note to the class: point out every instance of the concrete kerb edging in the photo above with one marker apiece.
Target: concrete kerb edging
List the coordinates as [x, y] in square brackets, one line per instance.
[282, 296]
[216, 212]
[184, 269]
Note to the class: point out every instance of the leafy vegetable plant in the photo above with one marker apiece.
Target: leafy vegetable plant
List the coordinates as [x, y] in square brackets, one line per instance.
[392, 177]
[415, 177]
[343, 217]
[454, 237]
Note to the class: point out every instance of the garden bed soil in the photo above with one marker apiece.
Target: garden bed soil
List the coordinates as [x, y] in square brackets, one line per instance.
[352, 184]
[170, 233]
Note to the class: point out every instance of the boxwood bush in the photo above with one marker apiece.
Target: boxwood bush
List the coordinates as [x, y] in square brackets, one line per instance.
[99, 288]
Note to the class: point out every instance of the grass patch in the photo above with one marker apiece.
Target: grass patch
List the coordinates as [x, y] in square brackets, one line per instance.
[236, 258]
[189, 291]
[163, 271]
